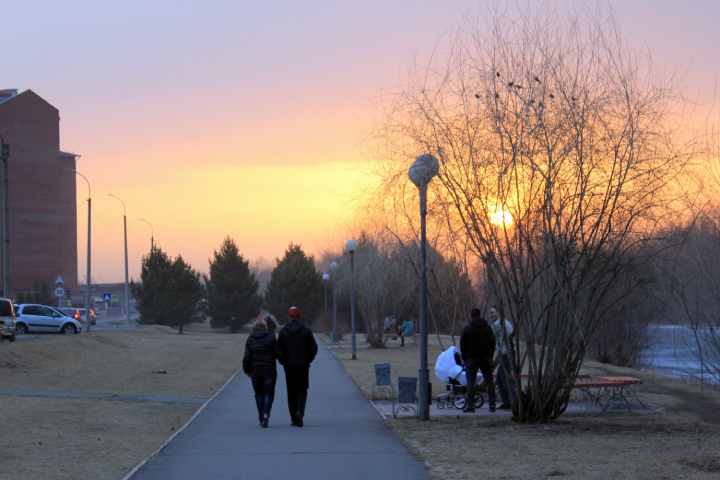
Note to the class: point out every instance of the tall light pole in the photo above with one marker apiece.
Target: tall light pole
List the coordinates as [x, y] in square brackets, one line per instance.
[333, 269]
[152, 232]
[88, 271]
[325, 279]
[423, 169]
[127, 283]
[5, 156]
[350, 247]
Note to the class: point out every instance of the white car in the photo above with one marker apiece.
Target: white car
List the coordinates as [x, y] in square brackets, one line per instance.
[7, 319]
[41, 318]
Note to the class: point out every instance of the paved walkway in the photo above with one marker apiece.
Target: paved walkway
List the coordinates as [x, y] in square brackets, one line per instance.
[344, 438]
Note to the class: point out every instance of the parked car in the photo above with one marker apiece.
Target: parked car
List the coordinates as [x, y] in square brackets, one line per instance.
[79, 314]
[42, 318]
[7, 320]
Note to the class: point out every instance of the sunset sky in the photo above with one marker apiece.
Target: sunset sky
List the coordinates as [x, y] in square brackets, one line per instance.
[252, 119]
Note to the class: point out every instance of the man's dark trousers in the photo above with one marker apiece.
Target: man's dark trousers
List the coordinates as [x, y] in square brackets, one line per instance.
[507, 392]
[471, 369]
[297, 380]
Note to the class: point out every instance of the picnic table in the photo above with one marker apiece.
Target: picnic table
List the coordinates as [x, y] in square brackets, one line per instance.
[604, 391]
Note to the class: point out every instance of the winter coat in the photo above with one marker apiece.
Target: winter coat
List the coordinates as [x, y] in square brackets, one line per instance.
[477, 342]
[260, 354]
[296, 346]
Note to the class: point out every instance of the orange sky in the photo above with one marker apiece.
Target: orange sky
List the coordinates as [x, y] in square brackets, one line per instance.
[253, 119]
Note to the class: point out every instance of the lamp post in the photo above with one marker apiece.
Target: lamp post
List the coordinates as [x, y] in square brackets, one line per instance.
[350, 247]
[152, 232]
[423, 169]
[4, 156]
[325, 279]
[88, 282]
[127, 283]
[333, 268]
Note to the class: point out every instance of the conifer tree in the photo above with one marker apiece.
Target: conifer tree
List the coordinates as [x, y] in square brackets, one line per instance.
[232, 289]
[294, 281]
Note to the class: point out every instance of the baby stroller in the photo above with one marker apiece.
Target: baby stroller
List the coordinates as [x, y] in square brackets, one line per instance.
[449, 368]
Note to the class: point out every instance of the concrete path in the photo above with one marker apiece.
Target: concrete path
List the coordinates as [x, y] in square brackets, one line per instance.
[344, 438]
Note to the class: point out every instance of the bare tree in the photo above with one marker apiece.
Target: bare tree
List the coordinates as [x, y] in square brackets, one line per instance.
[556, 150]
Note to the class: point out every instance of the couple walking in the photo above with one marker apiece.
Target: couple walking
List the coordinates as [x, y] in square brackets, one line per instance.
[295, 348]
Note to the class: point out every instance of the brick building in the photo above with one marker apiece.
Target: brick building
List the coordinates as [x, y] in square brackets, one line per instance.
[43, 217]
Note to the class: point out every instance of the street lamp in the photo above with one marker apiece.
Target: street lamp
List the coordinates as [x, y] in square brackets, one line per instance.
[350, 247]
[88, 282]
[333, 268]
[127, 283]
[423, 169]
[326, 279]
[5, 156]
[152, 232]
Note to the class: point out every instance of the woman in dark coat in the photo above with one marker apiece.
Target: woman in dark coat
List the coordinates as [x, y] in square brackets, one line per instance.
[259, 364]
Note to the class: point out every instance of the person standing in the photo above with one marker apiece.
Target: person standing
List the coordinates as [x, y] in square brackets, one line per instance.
[259, 363]
[503, 330]
[477, 348]
[406, 330]
[296, 351]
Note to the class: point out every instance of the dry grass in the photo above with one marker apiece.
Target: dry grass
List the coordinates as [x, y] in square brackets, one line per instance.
[70, 438]
[680, 441]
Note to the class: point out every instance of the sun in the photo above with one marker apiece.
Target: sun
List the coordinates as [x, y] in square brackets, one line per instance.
[500, 216]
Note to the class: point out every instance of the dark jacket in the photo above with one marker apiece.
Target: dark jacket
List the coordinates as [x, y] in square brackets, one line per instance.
[260, 354]
[296, 346]
[477, 341]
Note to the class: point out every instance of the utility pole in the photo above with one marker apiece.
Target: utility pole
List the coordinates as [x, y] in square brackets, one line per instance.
[350, 247]
[333, 268]
[88, 281]
[152, 232]
[5, 155]
[127, 280]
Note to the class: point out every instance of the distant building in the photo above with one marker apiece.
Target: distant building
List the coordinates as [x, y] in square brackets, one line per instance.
[43, 220]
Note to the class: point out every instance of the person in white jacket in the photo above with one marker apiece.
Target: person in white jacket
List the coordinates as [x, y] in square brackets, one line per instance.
[503, 330]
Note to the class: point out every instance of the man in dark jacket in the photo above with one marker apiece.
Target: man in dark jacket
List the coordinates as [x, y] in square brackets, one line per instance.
[296, 351]
[259, 364]
[477, 347]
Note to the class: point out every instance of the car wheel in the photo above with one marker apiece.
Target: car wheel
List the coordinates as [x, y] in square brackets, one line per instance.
[21, 329]
[12, 338]
[69, 328]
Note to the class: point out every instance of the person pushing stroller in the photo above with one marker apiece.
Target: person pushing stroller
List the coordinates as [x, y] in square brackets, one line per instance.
[477, 348]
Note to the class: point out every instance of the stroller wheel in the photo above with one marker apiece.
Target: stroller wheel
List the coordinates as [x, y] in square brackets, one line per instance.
[459, 402]
[479, 401]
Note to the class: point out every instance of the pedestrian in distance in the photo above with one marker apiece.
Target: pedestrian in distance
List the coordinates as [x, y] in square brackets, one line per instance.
[407, 329]
[477, 348]
[503, 330]
[259, 363]
[296, 351]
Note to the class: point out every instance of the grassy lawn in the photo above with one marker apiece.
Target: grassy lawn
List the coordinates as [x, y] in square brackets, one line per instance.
[681, 440]
[73, 438]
